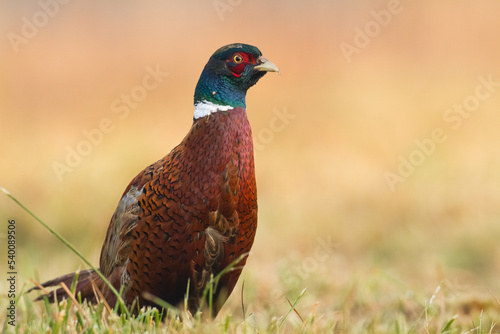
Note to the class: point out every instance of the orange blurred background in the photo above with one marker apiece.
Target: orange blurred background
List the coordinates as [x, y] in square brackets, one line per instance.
[321, 173]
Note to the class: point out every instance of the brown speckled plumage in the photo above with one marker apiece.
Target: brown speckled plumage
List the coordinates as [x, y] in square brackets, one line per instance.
[202, 194]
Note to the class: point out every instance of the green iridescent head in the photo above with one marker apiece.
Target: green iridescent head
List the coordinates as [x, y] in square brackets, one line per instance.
[229, 73]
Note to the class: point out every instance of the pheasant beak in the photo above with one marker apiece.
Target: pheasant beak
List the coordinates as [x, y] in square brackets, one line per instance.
[266, 65]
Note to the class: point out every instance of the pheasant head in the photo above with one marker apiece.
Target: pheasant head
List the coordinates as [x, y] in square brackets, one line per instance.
[227, 76]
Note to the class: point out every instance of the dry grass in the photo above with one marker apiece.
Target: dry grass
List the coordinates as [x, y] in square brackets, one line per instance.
[321, 176]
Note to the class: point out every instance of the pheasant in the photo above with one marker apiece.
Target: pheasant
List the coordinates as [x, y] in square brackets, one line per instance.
[189, 215]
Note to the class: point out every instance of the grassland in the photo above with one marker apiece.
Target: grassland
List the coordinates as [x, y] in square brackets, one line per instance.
[416, 256]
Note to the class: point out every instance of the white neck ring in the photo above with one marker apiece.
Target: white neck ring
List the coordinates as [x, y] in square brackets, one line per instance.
[205, 108]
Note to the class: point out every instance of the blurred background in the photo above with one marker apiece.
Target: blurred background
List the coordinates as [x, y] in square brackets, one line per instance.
[353, 187]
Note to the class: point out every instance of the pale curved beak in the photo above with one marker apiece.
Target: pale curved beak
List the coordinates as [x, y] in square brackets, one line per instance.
[266, 65]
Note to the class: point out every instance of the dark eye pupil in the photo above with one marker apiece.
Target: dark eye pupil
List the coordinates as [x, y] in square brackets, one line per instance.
[237, 59]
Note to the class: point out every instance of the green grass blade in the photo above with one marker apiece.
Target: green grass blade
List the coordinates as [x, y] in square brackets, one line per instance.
[211, 286]
[292, 308]
[72, 248]
[160, 302]
[447, 326]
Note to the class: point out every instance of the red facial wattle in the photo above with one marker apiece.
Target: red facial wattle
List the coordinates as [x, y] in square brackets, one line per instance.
[237, 62]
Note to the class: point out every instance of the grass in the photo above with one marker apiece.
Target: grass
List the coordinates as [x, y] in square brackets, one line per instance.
[434, 317]
[397, 314]
[373, 303]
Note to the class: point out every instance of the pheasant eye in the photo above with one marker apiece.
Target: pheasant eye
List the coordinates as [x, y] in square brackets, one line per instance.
[237, 58]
